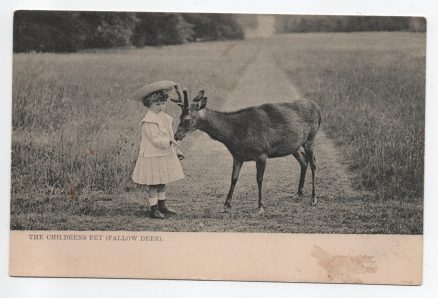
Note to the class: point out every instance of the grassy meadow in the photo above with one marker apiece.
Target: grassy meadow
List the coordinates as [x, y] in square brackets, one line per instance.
[76, 128]
[372, 94]
[76, 134]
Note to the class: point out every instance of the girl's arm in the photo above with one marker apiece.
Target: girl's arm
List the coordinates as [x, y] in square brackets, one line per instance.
[154, 134]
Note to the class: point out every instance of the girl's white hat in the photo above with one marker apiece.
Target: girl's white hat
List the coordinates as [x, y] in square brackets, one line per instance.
[154, 87]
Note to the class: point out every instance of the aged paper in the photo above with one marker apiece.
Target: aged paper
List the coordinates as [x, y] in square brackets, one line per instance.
[366, 259]
[355, 216]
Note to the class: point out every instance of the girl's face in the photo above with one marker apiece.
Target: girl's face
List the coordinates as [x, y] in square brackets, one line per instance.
[158, 106]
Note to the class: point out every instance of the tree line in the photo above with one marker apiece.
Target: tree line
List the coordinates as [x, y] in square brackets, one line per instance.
[315, 23]
[67, 31]
[70, 31]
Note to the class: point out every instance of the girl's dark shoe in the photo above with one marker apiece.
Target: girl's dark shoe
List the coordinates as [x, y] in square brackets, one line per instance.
[155, 213]
[163, 209]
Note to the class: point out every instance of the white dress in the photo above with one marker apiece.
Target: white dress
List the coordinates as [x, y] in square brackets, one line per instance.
[157, 161]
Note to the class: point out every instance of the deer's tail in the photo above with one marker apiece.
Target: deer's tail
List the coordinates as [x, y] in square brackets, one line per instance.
[319, 118]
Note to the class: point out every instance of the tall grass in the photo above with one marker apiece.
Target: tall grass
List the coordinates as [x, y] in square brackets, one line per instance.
[371, 88]
[76, 133]
[75, 126]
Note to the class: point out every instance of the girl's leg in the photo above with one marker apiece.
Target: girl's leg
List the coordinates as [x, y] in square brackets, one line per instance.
[162, 200]
[161, 188]
[153, 202]
[152, 195]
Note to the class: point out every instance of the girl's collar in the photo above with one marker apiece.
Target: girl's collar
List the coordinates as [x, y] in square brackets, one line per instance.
[151, 116]
[157, 118]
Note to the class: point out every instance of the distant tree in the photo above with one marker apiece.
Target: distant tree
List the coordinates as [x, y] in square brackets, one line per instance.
[107, 29]
[42, 31]
[286, 24]
[160, 29]
[67, 31]
[295, 23]
[417, 24]
[215, 26]
[247, 21]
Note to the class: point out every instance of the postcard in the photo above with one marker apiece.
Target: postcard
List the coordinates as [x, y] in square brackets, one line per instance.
[213, 146]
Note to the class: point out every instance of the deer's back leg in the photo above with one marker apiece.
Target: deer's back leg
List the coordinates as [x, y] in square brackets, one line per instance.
[308, 147]
[237, 165]
[300, 155]
[260, 164]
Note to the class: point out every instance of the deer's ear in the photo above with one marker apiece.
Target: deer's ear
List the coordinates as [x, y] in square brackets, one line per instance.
[202, 103]
[199, 96]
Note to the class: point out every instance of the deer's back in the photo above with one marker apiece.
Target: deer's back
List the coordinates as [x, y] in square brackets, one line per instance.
[275, 129]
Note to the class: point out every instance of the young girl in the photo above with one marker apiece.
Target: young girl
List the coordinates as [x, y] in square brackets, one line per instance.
[157, 162]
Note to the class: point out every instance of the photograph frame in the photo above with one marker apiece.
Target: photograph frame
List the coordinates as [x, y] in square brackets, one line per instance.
[426, 110]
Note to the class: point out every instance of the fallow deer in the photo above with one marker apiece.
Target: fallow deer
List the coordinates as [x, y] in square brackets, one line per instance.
[256, 134]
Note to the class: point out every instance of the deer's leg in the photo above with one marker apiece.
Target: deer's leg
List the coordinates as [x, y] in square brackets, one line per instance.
[237, 165]
[260, 164]
[311, 158]
[300, 155]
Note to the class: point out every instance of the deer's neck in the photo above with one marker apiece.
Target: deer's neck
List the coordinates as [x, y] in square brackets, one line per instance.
[216, 125]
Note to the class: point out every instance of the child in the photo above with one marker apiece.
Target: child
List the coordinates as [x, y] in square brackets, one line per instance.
[157, 162]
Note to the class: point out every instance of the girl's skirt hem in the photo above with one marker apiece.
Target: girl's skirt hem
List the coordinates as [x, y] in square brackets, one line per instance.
[157, 170]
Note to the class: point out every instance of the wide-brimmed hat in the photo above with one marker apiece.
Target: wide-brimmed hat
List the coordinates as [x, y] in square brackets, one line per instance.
[153, 87]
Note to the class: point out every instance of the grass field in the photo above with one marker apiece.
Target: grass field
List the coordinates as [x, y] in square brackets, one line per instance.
[75, 124]
[372, 92]
[75, 133]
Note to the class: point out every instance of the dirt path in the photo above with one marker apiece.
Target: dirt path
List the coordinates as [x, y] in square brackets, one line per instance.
[200, 197]
[264, 81]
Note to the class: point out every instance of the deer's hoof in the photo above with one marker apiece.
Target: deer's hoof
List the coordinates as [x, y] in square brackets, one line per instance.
[261, 211]
[314, 202]
[300, 193]
[226, 209]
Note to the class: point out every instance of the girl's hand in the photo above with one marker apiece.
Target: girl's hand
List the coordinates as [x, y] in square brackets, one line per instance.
[175, 143]
[179, 153]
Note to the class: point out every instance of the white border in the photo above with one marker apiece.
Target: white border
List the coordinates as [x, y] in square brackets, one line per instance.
[44, 287]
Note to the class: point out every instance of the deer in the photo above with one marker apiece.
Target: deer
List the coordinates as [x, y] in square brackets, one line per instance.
[257, 133]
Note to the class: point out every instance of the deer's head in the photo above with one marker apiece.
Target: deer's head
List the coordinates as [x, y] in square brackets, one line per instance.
[191, 114]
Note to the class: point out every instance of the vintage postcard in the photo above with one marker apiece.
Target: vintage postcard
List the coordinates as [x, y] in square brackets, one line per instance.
[215, 146]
